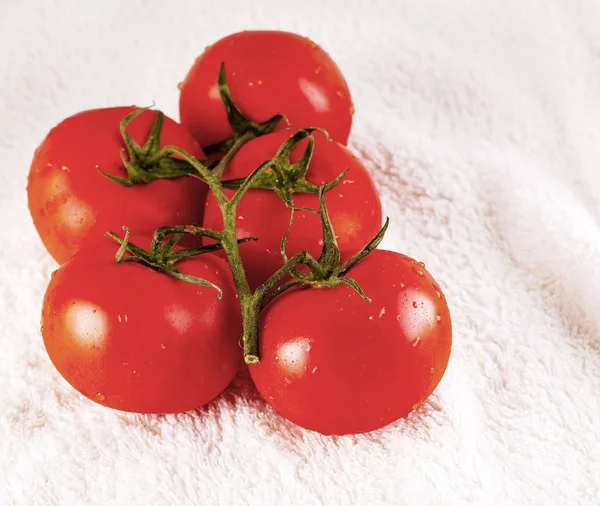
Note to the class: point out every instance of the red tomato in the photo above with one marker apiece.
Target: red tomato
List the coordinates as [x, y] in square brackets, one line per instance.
[70, 200]
[268, 72]
[131, 338]
[334, 363]
[353, 205]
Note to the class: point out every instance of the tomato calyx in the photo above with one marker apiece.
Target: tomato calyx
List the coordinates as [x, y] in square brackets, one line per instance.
[162, 255]
[149, 162]
[240, 124]
[327, 271]
[285, 177]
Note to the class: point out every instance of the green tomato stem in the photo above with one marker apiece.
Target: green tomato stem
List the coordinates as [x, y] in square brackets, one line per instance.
[250, 302]
[325, 272]
[222, 165]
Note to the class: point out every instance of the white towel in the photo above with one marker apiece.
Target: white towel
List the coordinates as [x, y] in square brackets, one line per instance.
[480, 122]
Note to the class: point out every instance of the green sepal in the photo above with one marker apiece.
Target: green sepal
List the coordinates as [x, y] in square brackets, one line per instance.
[285, 177]
[240, 124]
[148, 162]
[162, 255]
[327, 271]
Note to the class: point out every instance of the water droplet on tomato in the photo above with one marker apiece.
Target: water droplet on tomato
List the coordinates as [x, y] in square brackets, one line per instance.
[259, 82]
[312, 44]
[419, 272]
[401, 285]
[339, 93]
[351, 110]
[438, 319]
[314, 369]
[382, 312]
[162, 346]
[319, 69]
[100, 396]
[439, 294]
[42, 329]
[432, 370]
[421, 264]
[415, 304]
[180, 85]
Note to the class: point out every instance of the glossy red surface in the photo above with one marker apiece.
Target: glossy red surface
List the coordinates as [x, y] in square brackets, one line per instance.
[70, 201]
[134, 339]
[268, 72]
[336, 364]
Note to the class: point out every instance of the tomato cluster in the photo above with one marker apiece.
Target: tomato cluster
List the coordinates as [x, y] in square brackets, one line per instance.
[253, 236]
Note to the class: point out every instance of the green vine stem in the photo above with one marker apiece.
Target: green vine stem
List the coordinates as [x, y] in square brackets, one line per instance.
[326, 271]
[250, 302]
[149, 162]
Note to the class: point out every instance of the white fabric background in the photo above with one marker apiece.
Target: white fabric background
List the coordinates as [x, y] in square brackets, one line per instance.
[481, 124]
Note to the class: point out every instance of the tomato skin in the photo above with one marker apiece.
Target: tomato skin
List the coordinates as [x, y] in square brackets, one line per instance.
[353, 205]
[70, 201]
[134, 339]
[268, 72]
[334, 363]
